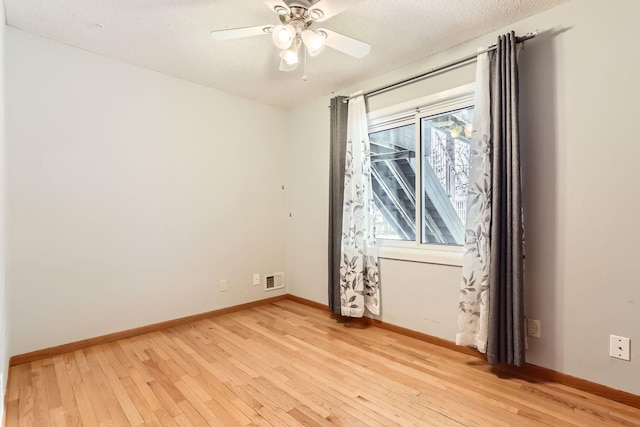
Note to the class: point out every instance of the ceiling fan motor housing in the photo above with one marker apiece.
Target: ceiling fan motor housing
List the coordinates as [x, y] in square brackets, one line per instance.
[299, 18]
[300, 3]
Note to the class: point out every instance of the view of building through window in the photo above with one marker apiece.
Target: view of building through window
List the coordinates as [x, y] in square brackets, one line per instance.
[393, 155]
[441, 180]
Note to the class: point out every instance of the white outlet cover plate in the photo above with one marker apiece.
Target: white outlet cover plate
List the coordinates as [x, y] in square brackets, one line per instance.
[256, 279]
[533, 328]
[619, 347]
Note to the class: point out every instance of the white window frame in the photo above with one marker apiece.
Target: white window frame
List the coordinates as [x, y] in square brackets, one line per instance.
[412, 112]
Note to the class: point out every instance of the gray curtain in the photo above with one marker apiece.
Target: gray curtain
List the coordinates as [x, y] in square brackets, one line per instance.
[337, 152]
[506, 309]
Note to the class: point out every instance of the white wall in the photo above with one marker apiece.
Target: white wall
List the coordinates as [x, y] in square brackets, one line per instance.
[131, 194]
[579, 88]
[4, 321]
[308, 201]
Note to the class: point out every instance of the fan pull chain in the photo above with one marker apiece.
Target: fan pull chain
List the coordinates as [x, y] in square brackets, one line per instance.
[304, 75]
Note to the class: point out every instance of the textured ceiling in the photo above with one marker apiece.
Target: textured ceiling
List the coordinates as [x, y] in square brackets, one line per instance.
[173, 37]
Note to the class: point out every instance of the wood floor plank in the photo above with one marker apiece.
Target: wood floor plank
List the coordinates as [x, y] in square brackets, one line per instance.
[307, 417]
[40, 401]
[168, 404]
[103, 391]
[224, 397]
[110, 366]
[165, 418]
[144, 409]
[226, 412]
[197, 403]
[145, 391]
[25, 407]
[87, 415]
[164, 375]
[99, 406]
[302, 396]
[286, 364]
[65, 383]
[12, 414]
[194, 416]
[57, 417]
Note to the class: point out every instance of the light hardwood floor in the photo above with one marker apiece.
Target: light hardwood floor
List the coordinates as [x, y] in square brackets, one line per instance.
[286, 364]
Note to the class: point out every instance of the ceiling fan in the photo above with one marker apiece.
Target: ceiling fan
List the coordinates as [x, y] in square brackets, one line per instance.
[294, 30]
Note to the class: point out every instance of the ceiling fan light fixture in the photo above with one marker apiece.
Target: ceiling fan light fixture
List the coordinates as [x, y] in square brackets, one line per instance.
[314, 41]
[293, 31]
[291, 55]
[315, 14]
[283, 36]
[281, 10]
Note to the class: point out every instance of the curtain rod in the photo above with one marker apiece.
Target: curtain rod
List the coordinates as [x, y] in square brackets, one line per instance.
[426, 74]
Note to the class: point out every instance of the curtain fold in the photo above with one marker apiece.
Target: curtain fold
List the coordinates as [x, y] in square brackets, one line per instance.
[359, 278]
[506, 313]
[491, 306]
[337, 151]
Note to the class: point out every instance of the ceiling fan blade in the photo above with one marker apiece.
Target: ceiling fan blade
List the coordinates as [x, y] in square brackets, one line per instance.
[287, 67]
[277, 6]
[236, 33]
[344, 44]
[330, 8]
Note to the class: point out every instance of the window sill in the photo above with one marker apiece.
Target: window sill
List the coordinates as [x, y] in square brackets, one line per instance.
[447, 256]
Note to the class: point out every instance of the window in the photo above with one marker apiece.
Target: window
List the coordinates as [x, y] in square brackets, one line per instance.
[420, 168]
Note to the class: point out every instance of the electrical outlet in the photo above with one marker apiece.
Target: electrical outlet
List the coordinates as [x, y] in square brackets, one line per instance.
[256, 278]
[533, 328]
[619, 347]
[223, 286]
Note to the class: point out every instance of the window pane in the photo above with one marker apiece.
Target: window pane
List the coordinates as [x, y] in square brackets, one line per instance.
[393, 164]
[445, 140]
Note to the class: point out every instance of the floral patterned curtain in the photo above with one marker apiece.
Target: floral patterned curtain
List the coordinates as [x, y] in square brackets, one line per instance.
[359, 279]
[473, 307]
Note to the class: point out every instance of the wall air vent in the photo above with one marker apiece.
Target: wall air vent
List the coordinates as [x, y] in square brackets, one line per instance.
[273, 281]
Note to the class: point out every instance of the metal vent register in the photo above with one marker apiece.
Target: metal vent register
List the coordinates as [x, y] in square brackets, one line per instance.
[273, 281]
